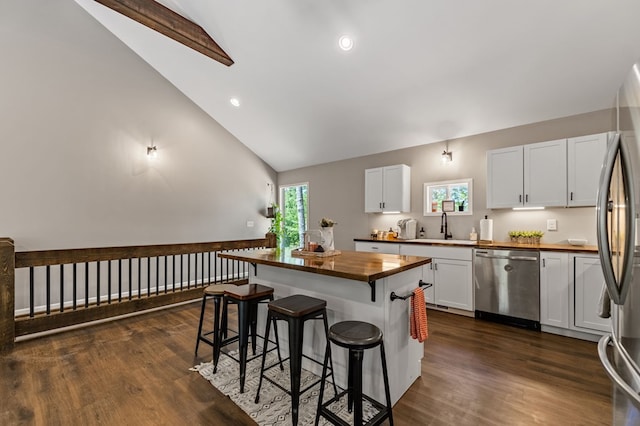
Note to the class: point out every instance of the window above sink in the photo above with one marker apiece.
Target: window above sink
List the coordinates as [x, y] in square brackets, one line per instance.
[455, 197]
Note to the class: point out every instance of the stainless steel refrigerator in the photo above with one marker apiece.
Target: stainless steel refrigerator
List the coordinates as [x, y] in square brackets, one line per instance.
[619, 248]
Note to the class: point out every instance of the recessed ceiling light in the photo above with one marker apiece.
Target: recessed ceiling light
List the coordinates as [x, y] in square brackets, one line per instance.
[235, 102]
[345, 43]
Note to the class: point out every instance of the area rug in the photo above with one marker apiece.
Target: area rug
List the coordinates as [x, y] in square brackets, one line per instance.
[274, 407]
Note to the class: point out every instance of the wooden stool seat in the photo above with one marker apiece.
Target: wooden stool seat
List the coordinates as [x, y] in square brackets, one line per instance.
[249, 291]
[355, 334]
[297, 305]
[218, 289]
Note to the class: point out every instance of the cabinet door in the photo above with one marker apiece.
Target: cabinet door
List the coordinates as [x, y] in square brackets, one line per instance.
[453, 281]
[545, 174]
[373, 190]
[585, 155]
[504, 178]
[554, 289]
[588, 282]
[428, 277]
[396, 192]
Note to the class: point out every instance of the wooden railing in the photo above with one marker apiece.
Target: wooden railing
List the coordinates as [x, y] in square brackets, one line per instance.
[50, 289]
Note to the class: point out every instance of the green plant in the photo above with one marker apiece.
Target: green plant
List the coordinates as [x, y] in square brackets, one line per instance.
[327, 223]
[526, 236]
[276, 224]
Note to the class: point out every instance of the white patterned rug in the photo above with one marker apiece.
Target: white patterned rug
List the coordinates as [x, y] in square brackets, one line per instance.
[274, 407]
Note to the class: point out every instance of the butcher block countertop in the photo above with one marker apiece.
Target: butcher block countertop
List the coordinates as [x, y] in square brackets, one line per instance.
[353, 265]
[494, 245]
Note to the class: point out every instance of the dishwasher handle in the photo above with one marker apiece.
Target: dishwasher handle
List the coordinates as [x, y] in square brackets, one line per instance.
[497, 256]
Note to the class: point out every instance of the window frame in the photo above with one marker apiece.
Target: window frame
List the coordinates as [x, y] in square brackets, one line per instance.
[427, 200]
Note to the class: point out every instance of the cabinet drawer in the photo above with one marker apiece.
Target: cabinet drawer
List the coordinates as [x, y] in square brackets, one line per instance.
[388, 248]
[456, 253]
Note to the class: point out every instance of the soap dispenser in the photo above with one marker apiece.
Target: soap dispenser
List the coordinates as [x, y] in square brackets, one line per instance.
[422, 232]
[473, 236]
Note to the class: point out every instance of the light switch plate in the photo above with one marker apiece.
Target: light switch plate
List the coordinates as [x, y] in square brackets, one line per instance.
[552, 224]
[249, 224]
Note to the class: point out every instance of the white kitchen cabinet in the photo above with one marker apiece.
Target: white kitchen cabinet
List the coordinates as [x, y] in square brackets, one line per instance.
[450, 272]
[387, 189]
[371, 247]
[588, 282]
[554, 289]
[533, 175]
[585, 155]
[505, 177]
[545, 174]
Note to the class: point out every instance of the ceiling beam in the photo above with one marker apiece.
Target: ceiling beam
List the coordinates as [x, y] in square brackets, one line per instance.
[167, 22]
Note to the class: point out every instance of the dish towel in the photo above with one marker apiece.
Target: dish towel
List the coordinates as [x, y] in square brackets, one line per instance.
[418, 318]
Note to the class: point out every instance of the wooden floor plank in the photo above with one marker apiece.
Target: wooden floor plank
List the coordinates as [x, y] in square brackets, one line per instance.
[136, 371]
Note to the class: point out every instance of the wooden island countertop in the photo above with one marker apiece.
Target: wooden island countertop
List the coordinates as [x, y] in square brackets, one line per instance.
[353, 265]
[342, 282]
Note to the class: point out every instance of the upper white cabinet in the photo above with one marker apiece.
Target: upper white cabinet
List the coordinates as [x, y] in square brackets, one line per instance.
[545, 174]
[505, 180]
[387, 189]
[559, 173]
[585, 155]
[533, 175]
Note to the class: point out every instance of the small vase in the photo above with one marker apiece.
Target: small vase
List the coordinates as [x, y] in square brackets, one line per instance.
[327, 238]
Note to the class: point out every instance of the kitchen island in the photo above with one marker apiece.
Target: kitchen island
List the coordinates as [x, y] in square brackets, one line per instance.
[356, 286]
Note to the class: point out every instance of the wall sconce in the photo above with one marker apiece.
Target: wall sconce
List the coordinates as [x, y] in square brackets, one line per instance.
[446, 157]
[152, 152]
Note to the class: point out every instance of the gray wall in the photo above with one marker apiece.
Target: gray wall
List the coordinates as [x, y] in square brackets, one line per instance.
[78, 109]
[336, 190]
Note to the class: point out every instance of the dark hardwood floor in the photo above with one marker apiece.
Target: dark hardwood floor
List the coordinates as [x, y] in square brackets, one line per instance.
[135, 371]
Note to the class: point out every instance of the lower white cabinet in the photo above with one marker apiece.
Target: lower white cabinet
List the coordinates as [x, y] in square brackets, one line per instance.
[388, 248]
[570, 288]
[450, 272]
[588, 282]
[554, 289]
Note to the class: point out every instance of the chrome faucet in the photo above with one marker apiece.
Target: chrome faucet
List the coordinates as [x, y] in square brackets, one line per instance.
[443, 227]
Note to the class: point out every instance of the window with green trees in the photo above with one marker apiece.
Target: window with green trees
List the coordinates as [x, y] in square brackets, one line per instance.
[294, 204]
[458, 191]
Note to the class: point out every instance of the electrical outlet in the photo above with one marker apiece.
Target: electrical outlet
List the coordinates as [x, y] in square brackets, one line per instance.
[552, 224]
[249, 224]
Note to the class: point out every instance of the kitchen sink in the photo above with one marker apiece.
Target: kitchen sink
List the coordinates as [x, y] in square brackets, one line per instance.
[442, 241]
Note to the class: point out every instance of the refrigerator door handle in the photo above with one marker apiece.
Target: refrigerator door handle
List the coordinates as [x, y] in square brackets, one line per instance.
[611, 370]
[617, 291]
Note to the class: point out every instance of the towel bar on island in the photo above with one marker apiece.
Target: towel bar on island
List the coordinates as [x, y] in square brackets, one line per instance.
[393, 296]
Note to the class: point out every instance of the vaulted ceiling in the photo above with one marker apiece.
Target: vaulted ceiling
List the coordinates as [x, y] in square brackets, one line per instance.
[420, 71]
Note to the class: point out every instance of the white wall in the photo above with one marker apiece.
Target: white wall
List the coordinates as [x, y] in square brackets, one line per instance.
[336, 190]
[78, 109]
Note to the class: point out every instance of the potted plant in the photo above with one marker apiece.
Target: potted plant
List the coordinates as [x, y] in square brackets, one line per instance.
[276, 224]
[326, 229]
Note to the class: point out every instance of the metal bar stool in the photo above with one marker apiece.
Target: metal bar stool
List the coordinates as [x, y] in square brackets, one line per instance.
[356, 336]
[295, 310]
[247, 297]
[215, 292]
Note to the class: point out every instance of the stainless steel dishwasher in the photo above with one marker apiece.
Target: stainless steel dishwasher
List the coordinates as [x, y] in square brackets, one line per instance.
[507, 286]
